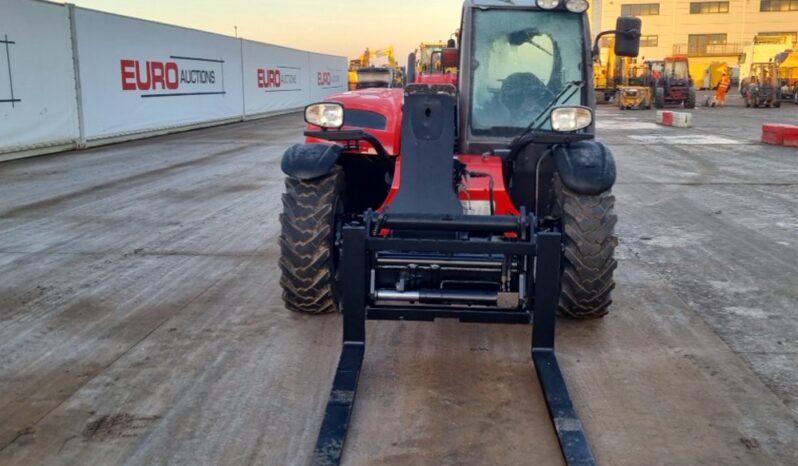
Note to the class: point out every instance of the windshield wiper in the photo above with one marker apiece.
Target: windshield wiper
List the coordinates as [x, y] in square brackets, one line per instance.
[534, 131]
[572, 86]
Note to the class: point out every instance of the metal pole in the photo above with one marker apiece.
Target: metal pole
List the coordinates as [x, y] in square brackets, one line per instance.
[10, 80]
[81, 142]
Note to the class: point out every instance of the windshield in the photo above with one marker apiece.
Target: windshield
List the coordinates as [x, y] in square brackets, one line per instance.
[428, 58]
[765, 75]
[435, 62]
[677, 69]
[522, 60]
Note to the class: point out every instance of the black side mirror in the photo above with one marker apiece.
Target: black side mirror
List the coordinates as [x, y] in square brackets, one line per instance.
[627, 36]
[451, 44]
[410, 74]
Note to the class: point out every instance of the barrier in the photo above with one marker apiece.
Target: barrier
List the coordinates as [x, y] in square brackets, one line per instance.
[38, 108]
[139, 76]
[275, 78]
[675, 119]
[81, 77]
[780, 134]
[328, 75]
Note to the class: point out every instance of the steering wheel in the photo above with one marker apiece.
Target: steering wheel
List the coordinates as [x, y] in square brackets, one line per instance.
[524, 94]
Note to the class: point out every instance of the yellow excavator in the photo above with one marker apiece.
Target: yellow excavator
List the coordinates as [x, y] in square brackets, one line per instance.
[362, 74]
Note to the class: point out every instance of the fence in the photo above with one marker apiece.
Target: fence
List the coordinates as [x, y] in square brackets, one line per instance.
[72, 77]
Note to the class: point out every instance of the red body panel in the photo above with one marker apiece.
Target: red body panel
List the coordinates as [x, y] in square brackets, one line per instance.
[437, 78]
[386, 102]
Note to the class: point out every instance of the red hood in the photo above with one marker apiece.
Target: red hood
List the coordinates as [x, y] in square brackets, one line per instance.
[386, 102]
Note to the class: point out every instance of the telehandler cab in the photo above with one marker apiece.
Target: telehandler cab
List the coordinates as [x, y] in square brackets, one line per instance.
[490, 202]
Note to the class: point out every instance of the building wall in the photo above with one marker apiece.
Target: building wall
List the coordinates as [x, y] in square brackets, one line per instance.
[674, 24]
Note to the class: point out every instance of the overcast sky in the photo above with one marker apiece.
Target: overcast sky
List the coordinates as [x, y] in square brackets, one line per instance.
[341, 27]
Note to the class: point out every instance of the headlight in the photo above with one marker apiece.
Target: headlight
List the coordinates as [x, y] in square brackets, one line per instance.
[548, 4]
[571, 118]
[325, 114]
[576, 6]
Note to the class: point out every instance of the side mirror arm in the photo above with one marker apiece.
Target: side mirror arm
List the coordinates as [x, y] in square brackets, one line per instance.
[596, 51]
[630, 33]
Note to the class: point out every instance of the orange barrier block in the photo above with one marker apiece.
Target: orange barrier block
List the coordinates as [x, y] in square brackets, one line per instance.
[791, 136]
[773, 133]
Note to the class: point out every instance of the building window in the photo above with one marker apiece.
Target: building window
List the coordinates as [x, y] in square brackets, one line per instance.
[778, 5]
[792, 35]
[649, 41]
[701, 8]
[698, 43]
[641, 9]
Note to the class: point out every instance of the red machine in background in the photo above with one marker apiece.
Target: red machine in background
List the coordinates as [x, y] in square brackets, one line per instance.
[675, 86]
[433, 63]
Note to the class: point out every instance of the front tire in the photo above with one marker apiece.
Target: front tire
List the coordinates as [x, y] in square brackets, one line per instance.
[659, 98]
[308, 253]
[588, 223]
[691, 98]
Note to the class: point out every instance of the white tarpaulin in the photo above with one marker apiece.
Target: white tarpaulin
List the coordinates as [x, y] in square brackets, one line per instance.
[275, 78]
[328, 75]
[141, 76]
[38, 106]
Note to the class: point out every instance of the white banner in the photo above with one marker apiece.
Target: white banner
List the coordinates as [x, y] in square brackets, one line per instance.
[139, 76]
[275, 78]
[328, 75]
[38, 104]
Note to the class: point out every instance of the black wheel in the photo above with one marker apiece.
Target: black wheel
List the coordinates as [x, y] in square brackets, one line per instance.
[795, 95]
[689, 102]
[659, 98]
[588, 224]
[776, 103]
[310, 224]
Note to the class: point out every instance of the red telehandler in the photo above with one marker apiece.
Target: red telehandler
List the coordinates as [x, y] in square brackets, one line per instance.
[425, 65]
[489, 202]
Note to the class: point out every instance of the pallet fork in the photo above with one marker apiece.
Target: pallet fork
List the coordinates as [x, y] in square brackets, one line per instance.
[545, 246]
[538, 252]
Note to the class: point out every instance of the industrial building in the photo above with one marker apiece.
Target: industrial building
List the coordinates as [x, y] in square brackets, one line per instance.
[705, 31]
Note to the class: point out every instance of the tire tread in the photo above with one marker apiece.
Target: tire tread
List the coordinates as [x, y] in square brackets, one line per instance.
[306, 255]
[589, 248]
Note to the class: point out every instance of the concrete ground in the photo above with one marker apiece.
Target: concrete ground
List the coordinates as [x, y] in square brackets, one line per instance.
[141, 321]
